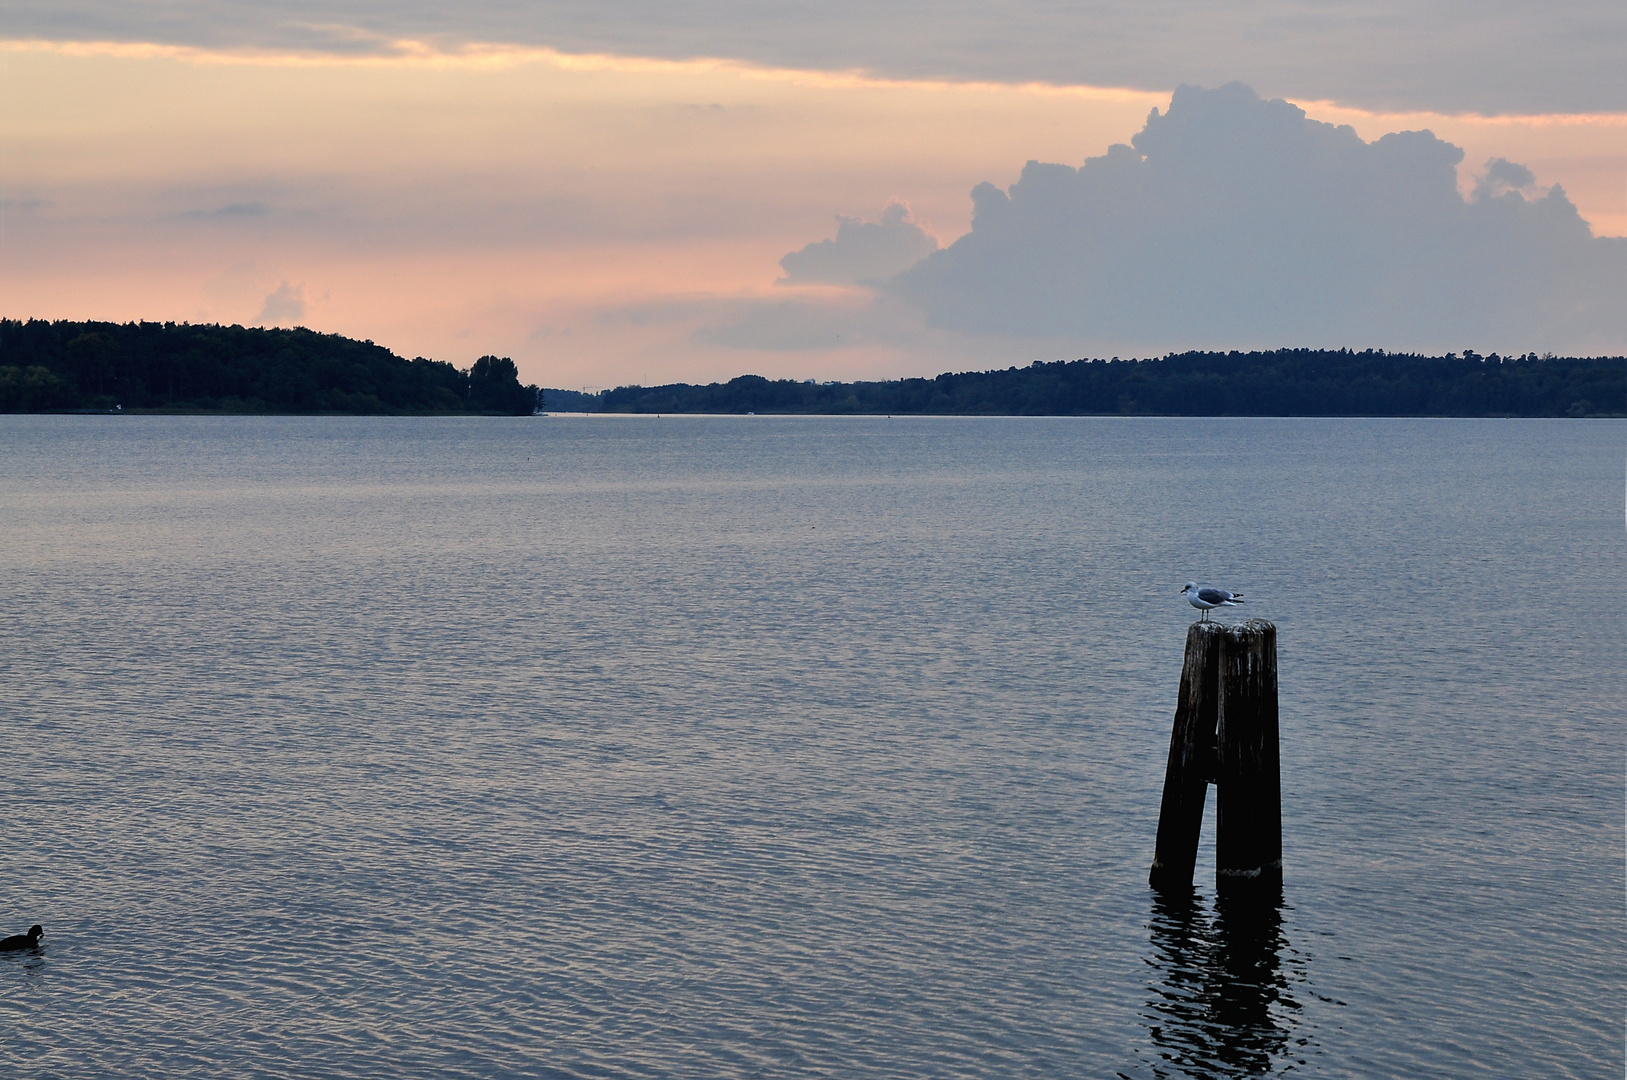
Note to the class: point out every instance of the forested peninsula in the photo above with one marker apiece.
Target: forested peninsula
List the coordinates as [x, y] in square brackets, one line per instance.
[1284, 382]
[68, 366]
[180, 367]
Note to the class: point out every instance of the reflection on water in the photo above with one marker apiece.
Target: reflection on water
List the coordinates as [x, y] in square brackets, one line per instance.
[720, 748]
[1221, 1001]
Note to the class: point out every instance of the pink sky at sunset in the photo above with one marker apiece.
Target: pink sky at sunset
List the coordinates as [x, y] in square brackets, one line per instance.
[602, 219]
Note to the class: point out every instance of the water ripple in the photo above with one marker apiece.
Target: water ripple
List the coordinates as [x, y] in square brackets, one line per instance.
[808, 747]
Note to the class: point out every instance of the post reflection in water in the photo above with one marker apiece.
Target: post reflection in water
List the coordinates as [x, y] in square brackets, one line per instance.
[1220, 1002]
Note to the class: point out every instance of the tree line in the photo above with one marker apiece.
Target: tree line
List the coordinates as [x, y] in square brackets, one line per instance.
[102, 366]
[1282, 382]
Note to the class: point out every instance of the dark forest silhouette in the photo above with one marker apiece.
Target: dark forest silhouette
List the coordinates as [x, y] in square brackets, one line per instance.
[1284, 382]
[100, 366]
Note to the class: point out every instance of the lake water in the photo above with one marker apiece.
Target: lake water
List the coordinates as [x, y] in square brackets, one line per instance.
[727, 747]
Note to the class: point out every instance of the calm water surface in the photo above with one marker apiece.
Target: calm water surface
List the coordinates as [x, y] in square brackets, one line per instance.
[740, 747]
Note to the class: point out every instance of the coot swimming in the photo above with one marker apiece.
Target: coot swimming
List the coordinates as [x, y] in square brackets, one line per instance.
[16, 942]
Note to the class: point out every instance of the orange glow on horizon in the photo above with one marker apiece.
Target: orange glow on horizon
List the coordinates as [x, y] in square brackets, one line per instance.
[592, 215]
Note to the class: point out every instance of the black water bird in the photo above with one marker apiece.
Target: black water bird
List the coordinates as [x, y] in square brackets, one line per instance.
[19, 942]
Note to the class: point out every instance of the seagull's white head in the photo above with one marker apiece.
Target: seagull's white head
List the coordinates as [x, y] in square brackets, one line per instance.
[1191, 586]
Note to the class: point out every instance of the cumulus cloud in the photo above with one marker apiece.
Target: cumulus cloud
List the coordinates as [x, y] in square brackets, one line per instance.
[863, 252]
[285, 306]
[1501, 177]
[1233, 221]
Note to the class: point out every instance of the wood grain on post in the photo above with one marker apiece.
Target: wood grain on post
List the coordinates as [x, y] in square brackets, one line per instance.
[1225, 733]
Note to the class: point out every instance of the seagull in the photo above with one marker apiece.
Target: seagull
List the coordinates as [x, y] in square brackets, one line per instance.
[1206, 598]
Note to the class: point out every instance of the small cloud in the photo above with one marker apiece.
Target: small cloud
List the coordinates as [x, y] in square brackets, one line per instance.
[1503, 176]
[863, 252]
[284, 306]
[231, 210]
[23, 206]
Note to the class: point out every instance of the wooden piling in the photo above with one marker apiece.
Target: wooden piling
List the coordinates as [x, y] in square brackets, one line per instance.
[1225, 733]
[1248, 779]
[1191, 759]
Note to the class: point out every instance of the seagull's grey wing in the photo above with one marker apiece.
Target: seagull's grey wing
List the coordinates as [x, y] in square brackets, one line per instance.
[1214, 596]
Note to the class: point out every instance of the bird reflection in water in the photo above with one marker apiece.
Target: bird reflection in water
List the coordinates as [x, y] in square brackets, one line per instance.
[1220, 1002]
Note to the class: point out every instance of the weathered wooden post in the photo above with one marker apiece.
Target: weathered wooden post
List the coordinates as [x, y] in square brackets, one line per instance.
[1248, 778]
[1191, 759]
[1225, 733]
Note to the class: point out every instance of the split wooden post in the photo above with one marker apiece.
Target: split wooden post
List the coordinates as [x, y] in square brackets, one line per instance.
[1191, 759]
[1225, 733]
[1248, 778]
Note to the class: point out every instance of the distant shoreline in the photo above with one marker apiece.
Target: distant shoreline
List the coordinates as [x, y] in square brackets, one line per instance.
[573, 413]
[211, 370]
[1286, 382]
[1042, 416]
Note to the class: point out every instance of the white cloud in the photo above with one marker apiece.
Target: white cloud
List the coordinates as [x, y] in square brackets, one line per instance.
[863, 252]
[1231, 221]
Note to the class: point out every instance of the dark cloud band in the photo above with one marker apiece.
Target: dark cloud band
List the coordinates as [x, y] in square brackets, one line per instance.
[1492, 56]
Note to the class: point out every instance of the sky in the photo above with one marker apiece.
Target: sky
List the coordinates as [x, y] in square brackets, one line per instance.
[646, 193]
